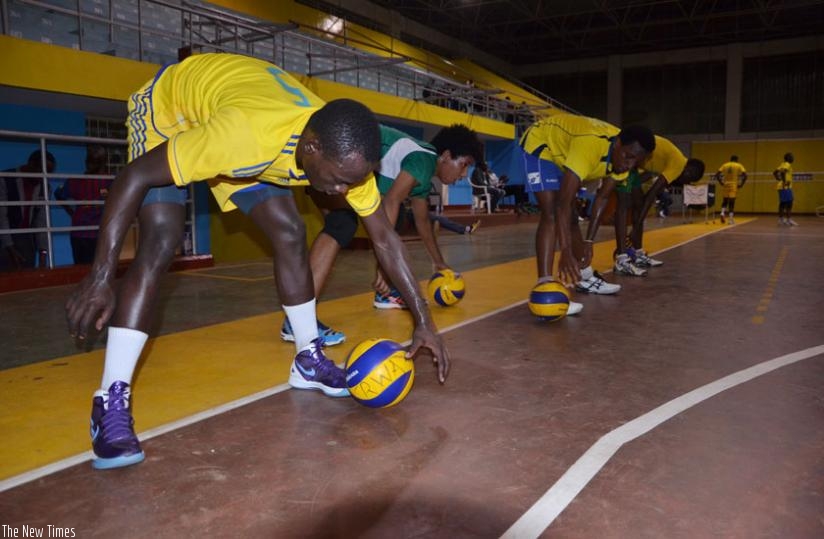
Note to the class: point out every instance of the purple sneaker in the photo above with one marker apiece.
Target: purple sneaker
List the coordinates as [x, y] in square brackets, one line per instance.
[312, 370]
[112, 428]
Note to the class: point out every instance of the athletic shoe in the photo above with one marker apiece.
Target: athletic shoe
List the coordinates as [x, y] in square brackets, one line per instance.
[781, 222]
[624, 265]
[312, 370]
[574, 308]
[662, 215]
[723, 218]
[642, 260]
[732, 221]
[112, 429]
[329, 336]
[790, 222]
[392, 300]
[597, 285]
[474, 226]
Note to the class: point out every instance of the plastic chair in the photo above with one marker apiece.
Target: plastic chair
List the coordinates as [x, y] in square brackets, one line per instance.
[480, 197]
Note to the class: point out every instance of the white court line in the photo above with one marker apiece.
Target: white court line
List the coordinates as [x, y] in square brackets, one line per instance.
[68, 462]
[43, 471]
[541, 515]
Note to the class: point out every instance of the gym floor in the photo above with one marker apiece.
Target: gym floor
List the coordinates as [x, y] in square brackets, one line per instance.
[689, 405]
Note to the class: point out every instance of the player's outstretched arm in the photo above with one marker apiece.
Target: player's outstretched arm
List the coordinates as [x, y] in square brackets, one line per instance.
[392, 256]
[568, 267]
[658, 185]
[420, 212]
[93, 301]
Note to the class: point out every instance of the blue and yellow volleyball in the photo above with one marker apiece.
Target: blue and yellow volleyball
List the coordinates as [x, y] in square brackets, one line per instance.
[446, 287]
[549, 301]
[378, 373]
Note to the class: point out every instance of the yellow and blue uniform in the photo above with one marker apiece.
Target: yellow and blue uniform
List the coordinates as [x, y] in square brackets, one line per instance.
[567, 141]
[785, 188]
[731, 173]
[667, 160]
[233, 121]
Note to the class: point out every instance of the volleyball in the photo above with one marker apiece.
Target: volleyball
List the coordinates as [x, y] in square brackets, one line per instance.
[378, 373]
[549, 301]
[446, 287]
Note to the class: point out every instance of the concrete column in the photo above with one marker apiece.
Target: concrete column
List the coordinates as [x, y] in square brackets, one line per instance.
[732, 112]
[615, 90]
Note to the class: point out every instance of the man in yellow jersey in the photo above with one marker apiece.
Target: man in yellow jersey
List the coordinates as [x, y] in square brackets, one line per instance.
[666, 166]
[784, 176]
[251, 131]
[732, 176]
[559, 153]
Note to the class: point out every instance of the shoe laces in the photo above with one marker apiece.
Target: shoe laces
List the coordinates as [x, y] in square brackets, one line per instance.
[117, 420]
[326, 369]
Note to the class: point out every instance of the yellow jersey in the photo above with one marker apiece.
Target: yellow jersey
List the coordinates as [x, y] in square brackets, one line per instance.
[788, 176]
[233, 121]
[731, 174]
[666, 160]
[582, 145]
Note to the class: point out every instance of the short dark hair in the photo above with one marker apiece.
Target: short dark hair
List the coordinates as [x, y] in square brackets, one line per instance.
[788, 156]
[694, 170]
[459, 140]
[36, 158]
[640, 134]
[344, 127]
[734, 158]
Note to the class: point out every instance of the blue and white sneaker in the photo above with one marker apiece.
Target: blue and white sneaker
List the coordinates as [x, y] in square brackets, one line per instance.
[312, 370]
[392, 300]
[330, 336]
[112, 429]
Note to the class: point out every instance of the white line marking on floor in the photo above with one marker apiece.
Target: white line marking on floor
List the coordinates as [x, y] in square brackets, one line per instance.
[68, 462]
[541, 515]
[43, 471]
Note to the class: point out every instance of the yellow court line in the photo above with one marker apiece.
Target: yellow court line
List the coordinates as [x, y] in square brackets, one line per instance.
[226, 277]
[44, 407]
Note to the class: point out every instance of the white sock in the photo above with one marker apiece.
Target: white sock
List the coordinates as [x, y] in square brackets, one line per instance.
[545, 279]
[586, 273]
[304, 321]
[123, 349]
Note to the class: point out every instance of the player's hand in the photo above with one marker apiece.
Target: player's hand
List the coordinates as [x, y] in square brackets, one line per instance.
[90, 305]
[425, 338]
[568, 269]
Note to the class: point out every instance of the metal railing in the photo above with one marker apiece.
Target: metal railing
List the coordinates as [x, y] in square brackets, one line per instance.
[158, 30]
[48, 142]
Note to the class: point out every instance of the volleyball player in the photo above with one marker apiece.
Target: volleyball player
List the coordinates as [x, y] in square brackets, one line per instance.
[559, 153]
[253, 131]
[732, 176]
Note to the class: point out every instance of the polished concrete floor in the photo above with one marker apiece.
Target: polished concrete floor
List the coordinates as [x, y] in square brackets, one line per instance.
[689, 405]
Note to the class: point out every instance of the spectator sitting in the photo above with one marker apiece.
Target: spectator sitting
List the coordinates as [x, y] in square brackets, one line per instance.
[485, 177]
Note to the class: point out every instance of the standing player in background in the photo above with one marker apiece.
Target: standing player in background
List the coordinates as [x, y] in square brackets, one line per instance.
[252, 131]
[665, 167]
[86, 190]
[559, 153]
[784, 176]
[732, 176]
[407, 166]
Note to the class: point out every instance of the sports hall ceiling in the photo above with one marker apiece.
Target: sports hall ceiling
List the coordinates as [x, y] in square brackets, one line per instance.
[522, 32]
